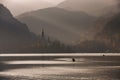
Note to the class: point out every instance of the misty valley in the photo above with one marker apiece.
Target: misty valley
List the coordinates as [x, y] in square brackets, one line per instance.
[66, 40]
[58, 30]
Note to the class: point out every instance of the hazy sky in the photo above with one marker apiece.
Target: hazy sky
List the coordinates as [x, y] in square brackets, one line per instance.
[20, 6]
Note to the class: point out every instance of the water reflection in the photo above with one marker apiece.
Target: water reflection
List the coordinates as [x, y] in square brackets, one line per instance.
[62, 54]
[60, 67]
[37, 62]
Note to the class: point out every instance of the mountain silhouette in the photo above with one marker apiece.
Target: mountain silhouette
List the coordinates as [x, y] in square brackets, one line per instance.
[13, 34]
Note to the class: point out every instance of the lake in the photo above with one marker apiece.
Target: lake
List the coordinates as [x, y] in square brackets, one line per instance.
[60, 66]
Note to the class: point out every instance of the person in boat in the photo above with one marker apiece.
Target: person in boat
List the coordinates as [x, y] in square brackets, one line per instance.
[103, 55]
[73, 59]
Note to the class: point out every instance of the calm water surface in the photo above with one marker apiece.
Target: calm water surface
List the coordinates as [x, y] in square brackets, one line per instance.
[60, 67]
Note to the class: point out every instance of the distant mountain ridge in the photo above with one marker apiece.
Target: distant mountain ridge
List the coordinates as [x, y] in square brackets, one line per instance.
[13, 34]
[93, 7]
[66, 26]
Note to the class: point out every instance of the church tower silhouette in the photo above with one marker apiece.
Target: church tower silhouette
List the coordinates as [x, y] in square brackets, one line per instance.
[43, 34]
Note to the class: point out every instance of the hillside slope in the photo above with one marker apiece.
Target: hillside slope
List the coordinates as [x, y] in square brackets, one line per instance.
[13, 34]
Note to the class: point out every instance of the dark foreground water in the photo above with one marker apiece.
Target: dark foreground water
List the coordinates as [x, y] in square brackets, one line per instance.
[59, 67]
